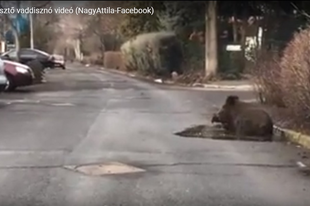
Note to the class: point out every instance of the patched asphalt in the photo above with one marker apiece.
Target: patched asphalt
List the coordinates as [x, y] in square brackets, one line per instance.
[84, 116]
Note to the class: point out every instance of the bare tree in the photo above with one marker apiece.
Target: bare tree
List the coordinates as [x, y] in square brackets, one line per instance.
[8, 19]
[211, 40]
[102, 25]
[45, 29]
[73, 28]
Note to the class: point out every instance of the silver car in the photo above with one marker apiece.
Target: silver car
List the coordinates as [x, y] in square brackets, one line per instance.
[3, 78]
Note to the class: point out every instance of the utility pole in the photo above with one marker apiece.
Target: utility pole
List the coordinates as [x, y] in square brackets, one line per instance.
[31, 31]
[31, 28]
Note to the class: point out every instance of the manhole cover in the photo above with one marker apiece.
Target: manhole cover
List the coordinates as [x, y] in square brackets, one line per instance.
[213, 132]
[105, 169]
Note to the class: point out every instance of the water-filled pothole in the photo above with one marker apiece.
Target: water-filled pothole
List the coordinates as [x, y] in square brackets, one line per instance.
[213, 132]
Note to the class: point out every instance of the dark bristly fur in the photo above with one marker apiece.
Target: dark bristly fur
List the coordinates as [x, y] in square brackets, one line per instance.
[244, 119]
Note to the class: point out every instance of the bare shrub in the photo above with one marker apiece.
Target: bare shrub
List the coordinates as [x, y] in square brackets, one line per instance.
[267, 79]
[143, 60]
[295, 74]
[113, 60]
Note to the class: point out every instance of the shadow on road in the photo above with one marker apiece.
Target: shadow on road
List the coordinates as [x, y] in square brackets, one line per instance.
[55, 86]
[20, 91]
[218, 133]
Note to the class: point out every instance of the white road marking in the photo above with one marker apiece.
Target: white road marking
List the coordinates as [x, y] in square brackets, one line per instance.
[63, 104]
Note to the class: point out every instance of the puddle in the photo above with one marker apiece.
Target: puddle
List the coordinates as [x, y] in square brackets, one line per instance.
[213, 132]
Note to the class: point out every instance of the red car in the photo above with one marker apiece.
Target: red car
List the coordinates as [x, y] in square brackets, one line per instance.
[18, 75]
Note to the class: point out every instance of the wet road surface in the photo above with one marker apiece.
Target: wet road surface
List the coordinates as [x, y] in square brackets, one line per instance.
[85, 116]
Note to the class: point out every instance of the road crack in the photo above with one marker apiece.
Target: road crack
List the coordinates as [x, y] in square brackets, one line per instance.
[222, 164]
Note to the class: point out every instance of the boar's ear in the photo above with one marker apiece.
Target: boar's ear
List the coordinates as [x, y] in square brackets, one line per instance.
[231, 100]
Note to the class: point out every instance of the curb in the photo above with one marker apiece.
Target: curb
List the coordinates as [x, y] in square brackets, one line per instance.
[286, 134]
[292, 136]
[244, 87]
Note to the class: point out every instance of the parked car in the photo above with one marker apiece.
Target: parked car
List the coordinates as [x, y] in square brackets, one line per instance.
[3, 78]
[17, 74]
[26, 55]
[59, 61]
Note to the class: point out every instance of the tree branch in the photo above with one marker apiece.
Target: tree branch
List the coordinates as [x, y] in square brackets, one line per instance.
[301, 11]
[7, 18]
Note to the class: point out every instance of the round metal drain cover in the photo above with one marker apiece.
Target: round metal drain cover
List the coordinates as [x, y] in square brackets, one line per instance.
[105, 169]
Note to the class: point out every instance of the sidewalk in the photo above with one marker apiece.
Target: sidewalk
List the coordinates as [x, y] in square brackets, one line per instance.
[233, 84]
[240, 85]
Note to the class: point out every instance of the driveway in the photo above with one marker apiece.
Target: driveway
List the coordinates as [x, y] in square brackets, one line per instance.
[84, 116]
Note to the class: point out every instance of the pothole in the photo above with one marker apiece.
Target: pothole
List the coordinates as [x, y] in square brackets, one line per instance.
[109, 168]
[213, 132]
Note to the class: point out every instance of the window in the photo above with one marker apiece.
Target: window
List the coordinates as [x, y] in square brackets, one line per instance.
[33, 53]
[27, 53]
[12, 54]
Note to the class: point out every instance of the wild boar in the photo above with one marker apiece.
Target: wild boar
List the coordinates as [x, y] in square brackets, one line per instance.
[244, 119]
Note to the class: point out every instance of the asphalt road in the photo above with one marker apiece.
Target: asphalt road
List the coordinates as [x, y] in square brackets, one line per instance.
[99, 117]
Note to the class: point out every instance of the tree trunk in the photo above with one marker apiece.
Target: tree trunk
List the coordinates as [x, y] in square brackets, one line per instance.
[235, 29]
[211, 40]
[243, 32]
[16, 36]
[17, 40]
[102, 46]
[77, 51]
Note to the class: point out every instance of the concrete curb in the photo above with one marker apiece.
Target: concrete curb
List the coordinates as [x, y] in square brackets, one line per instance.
[289, 135]
[245, 87]
[292, 136]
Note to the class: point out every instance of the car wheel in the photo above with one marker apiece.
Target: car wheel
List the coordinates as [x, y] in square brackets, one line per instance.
[11, 84]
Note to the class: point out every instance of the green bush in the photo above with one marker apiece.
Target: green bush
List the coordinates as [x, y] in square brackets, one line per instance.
[194, 56]
[193, 63]
[230, 64]
[157, 54]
